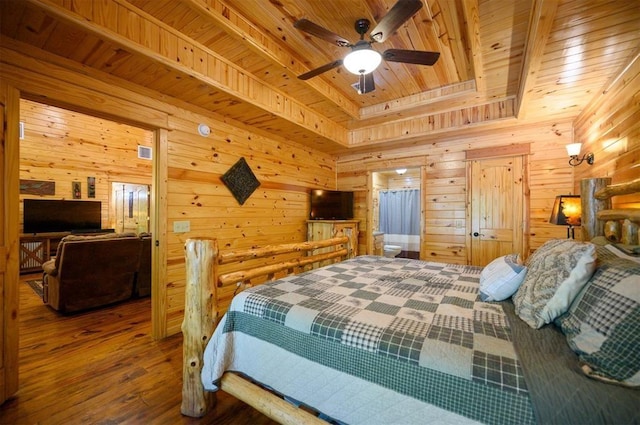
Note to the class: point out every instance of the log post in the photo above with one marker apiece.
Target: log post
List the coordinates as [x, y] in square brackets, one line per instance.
[200, 314]
[629, 233]
[612, 231]
[591, 226]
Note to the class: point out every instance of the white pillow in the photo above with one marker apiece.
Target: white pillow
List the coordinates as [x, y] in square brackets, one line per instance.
[501, 278]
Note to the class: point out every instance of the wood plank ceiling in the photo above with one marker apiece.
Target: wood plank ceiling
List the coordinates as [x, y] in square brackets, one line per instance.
[530, 60]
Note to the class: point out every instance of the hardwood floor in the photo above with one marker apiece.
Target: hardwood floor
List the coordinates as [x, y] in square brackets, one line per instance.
[102, 367]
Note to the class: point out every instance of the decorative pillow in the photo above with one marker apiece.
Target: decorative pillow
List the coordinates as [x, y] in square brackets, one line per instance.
[501, 278]
[603, 324]
[557, 271]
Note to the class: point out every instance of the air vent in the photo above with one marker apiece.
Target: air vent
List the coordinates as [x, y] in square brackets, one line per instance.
[144, 152]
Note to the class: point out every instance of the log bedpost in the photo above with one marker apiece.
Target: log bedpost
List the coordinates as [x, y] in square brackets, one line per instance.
[200, 314]
[591, 226]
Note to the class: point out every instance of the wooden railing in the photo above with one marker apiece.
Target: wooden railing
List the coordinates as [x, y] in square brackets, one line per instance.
[599, 219]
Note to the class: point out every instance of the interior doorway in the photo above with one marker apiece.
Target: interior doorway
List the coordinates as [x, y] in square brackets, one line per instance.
[11, 152]
[89, 152]
[397, 211]
[130, 207]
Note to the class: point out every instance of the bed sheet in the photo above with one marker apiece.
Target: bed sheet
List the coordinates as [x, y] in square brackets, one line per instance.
[373, 335]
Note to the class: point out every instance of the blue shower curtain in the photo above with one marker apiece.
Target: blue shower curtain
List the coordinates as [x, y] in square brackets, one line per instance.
[400, 212]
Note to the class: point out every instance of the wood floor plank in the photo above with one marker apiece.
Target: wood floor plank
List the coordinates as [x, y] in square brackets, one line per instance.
[103, 367]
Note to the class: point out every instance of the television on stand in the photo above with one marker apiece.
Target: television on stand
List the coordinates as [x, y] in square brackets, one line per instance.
[331, 205]
[59, 216]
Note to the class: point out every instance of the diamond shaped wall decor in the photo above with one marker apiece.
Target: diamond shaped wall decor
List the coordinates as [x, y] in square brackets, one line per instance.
[240, 180]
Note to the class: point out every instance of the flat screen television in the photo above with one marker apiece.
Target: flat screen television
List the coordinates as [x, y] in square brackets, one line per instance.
[54, 215]
[331, 205]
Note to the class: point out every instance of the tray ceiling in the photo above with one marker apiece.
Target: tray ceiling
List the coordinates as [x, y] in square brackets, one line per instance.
[537, 60]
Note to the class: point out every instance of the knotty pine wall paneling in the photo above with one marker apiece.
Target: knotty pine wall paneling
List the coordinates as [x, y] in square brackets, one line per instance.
[358, 182]
[64, 146]
[445, 181]
[275, 213]
[609, 127]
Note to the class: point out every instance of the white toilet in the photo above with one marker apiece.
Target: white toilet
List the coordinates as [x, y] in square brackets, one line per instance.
[391, 251]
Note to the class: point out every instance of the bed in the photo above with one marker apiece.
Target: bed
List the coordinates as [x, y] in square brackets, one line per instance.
[378, 340]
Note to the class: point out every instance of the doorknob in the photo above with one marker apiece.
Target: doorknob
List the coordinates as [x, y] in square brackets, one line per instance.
[476, 234]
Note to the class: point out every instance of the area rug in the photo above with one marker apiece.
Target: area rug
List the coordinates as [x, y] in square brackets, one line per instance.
[36, 285]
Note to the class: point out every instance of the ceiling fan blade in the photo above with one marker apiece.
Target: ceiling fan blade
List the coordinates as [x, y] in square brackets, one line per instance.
[320, 32]
[417, 57]
[320, 70]
[397, 15]
[366, 84]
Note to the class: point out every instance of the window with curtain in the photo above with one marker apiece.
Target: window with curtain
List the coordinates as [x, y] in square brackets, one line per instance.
[400, 212]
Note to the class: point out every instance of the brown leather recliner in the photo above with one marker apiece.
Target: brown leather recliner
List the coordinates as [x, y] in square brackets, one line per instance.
[91, 271]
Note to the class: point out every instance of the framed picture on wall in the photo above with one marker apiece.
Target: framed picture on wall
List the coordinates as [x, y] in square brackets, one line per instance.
[91, 187]
[76, 190]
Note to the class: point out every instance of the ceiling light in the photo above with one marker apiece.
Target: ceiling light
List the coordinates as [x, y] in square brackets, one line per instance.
[362, 59]
[401, 171]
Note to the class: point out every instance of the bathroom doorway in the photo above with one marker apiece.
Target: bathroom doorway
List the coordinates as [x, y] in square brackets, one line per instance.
[397, 211]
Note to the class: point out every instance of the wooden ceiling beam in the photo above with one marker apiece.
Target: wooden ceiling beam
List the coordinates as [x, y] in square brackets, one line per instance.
[239, 27]
[418, 100]
[541, 19]
[472, 20]
[426, 125]
[212, 69]
[25, 61]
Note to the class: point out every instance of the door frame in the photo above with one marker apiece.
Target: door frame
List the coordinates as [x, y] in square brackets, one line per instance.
[370, 209]
[523, 150]
[9, 251]
[158, 207]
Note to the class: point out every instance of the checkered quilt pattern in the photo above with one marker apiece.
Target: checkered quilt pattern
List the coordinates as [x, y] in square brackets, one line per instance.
[418, 328]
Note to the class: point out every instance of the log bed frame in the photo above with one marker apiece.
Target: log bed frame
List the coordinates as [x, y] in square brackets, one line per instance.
[203, 311]
[204, 279]
[599, 219]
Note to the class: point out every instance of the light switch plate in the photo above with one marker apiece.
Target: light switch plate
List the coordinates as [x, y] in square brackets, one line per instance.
[181, 226]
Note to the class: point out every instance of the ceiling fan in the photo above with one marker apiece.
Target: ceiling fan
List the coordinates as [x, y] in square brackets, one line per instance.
[363, 59]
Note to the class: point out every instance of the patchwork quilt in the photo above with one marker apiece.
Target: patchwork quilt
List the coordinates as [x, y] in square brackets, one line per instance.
[413, 328]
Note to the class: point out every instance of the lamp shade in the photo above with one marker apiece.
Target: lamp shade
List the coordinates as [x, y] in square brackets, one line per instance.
[567, 211]
[362, 61]
[573, 149]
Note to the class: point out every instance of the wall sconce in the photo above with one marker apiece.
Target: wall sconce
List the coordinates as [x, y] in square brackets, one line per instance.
[567, 211]
[401, 171]
[573, 149]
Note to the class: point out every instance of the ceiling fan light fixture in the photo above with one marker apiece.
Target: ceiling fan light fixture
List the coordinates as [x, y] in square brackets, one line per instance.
[362, 61]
